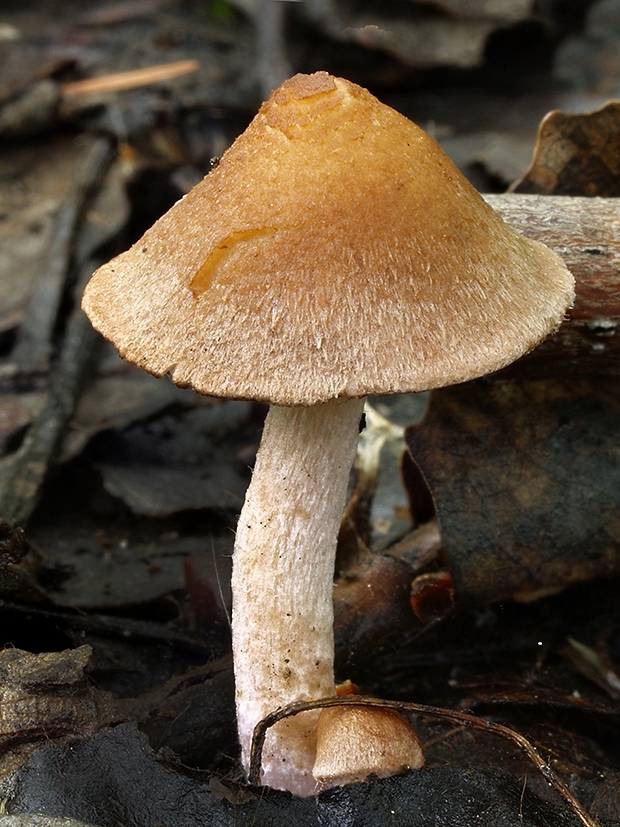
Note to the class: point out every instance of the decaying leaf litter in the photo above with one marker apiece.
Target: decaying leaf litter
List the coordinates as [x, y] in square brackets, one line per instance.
[99, 546]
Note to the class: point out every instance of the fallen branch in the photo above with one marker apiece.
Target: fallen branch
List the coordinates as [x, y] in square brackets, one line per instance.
[586, 233]
[20, 488]
[34, 345]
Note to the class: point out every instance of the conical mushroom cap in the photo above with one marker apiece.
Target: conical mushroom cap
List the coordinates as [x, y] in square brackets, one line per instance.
[334, 251]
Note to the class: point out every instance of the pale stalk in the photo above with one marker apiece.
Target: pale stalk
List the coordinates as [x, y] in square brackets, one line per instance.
[283, 569]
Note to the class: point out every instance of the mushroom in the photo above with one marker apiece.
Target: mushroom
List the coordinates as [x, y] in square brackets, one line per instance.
[334, 252]
[354, 742]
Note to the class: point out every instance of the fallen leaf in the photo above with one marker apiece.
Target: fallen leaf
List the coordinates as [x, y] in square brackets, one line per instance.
[576, 155]
[46, 697]
[526, 480]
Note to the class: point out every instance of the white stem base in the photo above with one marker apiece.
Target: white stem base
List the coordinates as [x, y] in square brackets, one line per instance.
[283, 569]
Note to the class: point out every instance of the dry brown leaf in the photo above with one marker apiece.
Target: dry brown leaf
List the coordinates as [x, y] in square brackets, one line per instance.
[576, 155]
[526, 479]
[46, 697]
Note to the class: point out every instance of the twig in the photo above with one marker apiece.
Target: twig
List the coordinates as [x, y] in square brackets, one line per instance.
[123, 628]
[21, 485]
[34, 344]
[462, 718]
[133, 79]
[20, 490]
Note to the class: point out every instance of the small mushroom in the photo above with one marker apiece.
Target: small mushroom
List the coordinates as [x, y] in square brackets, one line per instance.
[354, 742]
[334, 252]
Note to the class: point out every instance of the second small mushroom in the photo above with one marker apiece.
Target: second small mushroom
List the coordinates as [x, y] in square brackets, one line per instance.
[334, 252]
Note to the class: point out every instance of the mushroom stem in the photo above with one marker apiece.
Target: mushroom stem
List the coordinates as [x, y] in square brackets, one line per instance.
[283, 569]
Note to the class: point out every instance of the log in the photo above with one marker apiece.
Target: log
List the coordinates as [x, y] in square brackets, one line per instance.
[585, 232]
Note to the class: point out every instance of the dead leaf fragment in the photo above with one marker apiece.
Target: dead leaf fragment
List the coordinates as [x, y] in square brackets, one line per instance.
[439, 42]
[371, 608]
[158, 492]
[34, 187]
[576, 155]
[432, 596]
[13, 544]
[526, 479]
[33, 111]
[116, 402]
[46, 697]
[594, 665]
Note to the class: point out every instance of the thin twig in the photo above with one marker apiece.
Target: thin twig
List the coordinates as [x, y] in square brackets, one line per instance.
[462, 718]
[20, 489]
[123, 628]
[34, 343]
[133, 79]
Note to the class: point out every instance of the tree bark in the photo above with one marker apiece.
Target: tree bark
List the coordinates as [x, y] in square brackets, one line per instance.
[586, 233]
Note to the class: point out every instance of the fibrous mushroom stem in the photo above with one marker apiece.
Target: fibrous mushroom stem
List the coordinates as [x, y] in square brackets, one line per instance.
[283, 569]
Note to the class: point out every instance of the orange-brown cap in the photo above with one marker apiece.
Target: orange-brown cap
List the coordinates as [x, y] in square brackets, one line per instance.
[335, 251]
[354, 742]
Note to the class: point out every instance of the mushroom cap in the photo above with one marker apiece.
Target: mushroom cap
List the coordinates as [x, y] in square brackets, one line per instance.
[335, 251]
[354, 742]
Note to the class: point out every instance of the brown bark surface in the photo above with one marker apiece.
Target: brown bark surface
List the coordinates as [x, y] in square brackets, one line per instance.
[586, 233]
